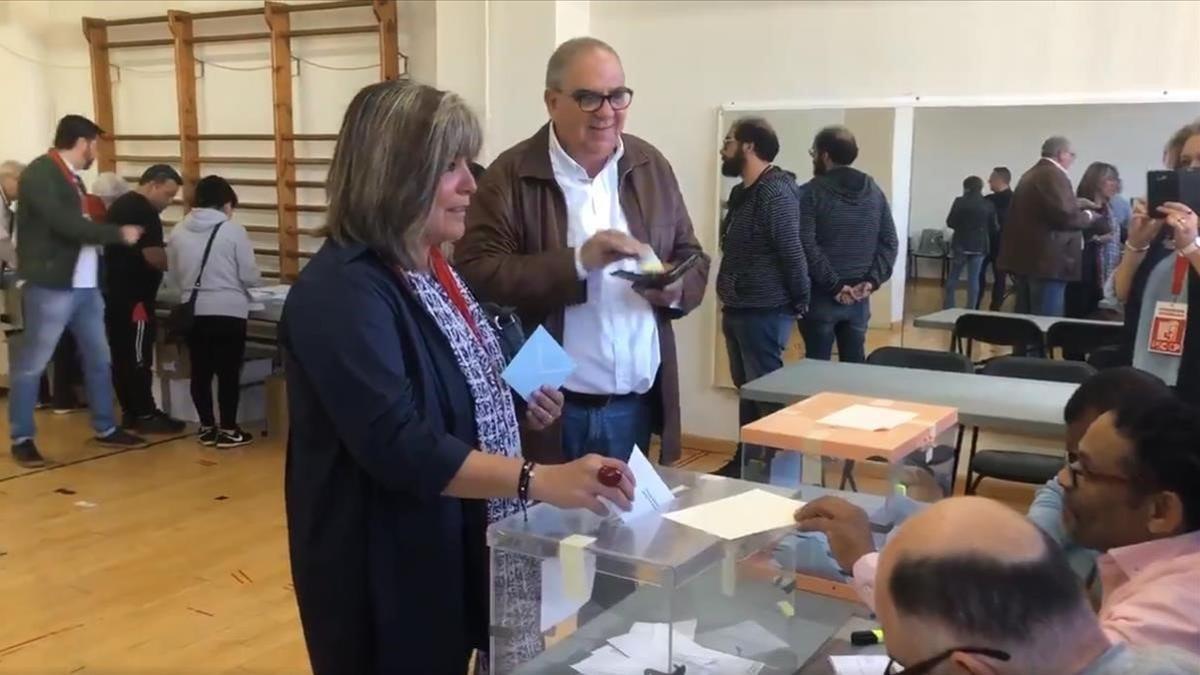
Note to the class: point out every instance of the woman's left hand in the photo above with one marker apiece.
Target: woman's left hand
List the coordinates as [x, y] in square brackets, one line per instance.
[1183, 222]
[545, 407]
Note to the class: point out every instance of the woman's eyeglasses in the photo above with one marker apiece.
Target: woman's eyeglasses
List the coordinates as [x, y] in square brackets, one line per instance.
[928, 665]
[591, 101]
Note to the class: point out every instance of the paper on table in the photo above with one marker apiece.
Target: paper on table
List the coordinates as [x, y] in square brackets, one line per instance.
[646, 644]
[859, 664]
[608, 661]
[557, 604]
[651, 494]
[867, 418]
[277, 292]
[541, 362]
[747, 638]
[740, 515]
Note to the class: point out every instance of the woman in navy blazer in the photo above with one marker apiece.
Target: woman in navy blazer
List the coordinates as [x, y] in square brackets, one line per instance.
[404, 443]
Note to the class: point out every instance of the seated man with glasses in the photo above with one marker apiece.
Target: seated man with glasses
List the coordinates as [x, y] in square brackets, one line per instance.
[969, 586]
[1141, 449]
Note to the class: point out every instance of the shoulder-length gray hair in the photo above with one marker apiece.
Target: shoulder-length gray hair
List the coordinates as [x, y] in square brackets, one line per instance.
[397, 140]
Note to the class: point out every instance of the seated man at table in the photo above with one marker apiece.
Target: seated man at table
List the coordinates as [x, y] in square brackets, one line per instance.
[969, 586]
[1101, 393]
[1132, 490]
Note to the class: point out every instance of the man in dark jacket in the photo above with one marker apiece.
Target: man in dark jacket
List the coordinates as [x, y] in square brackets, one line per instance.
[59, 261]
[850, 242]
[1042, 242]
[973, 220]
[763, 281]
[999, 183]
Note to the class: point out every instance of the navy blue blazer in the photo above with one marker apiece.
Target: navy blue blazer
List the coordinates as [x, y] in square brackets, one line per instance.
[390, 576]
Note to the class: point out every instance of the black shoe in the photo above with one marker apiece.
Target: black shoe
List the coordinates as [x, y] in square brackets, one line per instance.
[26, 454]
[207, 437]
[158, 422]
[233, 438]
[121, 439]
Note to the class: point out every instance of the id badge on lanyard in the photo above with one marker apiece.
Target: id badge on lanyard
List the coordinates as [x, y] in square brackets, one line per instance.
[1169, 325]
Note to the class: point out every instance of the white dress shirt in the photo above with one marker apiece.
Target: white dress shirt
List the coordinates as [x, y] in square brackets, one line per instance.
[87, 265]
[613, 337]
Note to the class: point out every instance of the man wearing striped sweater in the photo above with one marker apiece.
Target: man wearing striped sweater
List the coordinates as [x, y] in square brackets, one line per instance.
[763, 282]
[849, 239]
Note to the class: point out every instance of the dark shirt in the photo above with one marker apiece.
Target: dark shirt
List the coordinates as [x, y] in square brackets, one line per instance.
[846, 230]
[127, 275]
[973, 220]
[390, 575]
[762, 262]
[1000, 200]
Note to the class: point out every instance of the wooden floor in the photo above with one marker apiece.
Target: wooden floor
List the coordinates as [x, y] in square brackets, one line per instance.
[173, 559]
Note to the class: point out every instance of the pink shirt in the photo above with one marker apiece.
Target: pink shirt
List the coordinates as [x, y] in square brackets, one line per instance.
[1151, 591]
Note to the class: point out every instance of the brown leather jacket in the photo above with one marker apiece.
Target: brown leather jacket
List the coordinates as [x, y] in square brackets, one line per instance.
[1043, 236]
[515, 253]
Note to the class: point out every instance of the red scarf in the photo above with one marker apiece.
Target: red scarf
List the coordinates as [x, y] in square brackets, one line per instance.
[445, 277]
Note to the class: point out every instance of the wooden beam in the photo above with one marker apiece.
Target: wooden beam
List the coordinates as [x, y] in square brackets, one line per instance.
[180, 24]
[145, 137]
[279, 24]
[317, 6]
[227, 13]
[96, 33]
[137, 21]
[340, 30]
[135, 44]
[389, 44]
[232, 37]
[237, 137]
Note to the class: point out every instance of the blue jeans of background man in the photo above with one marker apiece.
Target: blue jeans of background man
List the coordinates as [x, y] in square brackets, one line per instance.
[755, 340]
[611, 430]
[47, 313]
[972, 262]
[1043, 297]
[828, 321]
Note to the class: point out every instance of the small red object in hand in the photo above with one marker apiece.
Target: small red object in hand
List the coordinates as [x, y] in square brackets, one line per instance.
[609, 476]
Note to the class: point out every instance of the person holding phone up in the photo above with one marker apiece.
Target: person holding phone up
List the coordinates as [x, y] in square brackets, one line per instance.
[1159, 281]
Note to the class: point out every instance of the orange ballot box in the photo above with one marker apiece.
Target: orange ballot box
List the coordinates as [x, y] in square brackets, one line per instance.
[804, 442]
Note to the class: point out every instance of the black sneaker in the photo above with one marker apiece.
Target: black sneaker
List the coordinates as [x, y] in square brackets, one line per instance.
[159, 422]
[121, 439]
[233, 438]
[207, 437]
[26, 454]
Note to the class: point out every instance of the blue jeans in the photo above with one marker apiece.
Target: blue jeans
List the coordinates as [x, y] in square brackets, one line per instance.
[755, 341]
[1043, 297]
[611, 430]
[49, 312]
[828, 321]
[973, 263]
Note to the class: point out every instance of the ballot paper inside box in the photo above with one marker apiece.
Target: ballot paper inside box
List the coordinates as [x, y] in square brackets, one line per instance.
[837, 439]
[576, 593]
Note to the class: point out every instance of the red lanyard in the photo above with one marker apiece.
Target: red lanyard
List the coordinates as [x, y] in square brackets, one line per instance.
[91, 206]
[441, 271]
[1180, 273]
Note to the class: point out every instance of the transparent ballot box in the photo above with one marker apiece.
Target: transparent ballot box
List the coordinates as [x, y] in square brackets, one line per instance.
[850, 442]
[574, 592]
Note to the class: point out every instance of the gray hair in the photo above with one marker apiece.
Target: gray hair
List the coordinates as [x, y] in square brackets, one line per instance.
[566, 53]
[11, 168]
[108, 186]
[396, 140]
[1055, 146]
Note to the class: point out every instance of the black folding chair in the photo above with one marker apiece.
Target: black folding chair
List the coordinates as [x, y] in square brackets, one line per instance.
[1015, 465]
[918, 359]
[1078, 341]
[999, 330]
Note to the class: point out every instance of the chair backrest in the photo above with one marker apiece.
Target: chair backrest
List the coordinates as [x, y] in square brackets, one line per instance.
[1006, 331]
[921, 359]
[1027, 368]
[1083, 338]
[931, 242]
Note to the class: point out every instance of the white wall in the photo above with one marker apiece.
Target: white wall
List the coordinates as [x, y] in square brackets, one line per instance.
[953, 143]
[24, 116]
[685, 59]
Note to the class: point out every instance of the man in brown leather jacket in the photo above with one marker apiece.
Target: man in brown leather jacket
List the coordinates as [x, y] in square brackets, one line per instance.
[554, 216]
[1042, 242]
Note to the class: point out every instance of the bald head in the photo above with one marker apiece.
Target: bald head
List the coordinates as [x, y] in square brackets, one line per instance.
[969, 571]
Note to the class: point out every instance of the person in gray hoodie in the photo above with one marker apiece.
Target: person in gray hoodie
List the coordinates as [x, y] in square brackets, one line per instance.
[217, 341]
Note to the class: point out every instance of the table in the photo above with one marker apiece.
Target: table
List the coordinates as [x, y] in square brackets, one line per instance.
[839, 645]
[271, 312]
[816, 619]
[945, 319]
[1026, 407]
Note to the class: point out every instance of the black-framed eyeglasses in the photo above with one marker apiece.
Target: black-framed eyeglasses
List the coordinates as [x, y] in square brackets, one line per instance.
[928, 665]
[590, 101]
[1075, 469]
